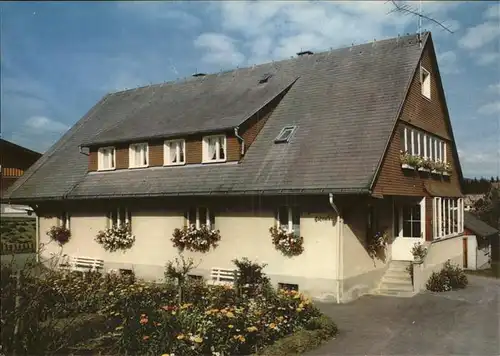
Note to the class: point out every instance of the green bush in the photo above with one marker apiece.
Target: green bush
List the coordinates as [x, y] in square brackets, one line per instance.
[451, 277]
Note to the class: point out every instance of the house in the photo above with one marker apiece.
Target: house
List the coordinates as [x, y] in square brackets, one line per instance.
[481, 243]
[14, 161]
[470, 200]
[310, 144]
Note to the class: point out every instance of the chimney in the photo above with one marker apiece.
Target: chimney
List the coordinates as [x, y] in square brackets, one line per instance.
[303, 53]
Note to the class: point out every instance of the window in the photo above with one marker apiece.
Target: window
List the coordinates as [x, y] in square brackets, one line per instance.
[138, 155]
[425, 81]
[448, 216]
[288, 219]
[200, 216]
[409, 219]
[64, 220]
[421, 144]
[285, 134]
[174, 152]
[214, 148]
[288, 286]
[412, 223]
[118, 217]
[106, 158]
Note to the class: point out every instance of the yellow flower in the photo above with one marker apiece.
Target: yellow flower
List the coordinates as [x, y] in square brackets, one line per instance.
[230, 326]
[299, 309]
[241, 338]
[272, 325]
[180, 336]
[301, 305]
[252, 328]
[198, 340]
[280, 318]
[230, 315]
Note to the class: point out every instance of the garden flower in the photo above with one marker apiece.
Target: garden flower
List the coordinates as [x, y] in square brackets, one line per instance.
[272, 326]
[144, 319]
[230, 315]
[252, 328]
[180, 336]
[145, 337]
[230, 326]
[198, 340]
[299, 309]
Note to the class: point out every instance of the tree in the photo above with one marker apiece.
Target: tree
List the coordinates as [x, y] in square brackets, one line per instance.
[488, 208]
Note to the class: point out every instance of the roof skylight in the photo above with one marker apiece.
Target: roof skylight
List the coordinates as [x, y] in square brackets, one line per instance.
[285, 134]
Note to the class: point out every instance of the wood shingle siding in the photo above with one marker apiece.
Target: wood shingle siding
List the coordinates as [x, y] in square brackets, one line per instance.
[428, 116]
[156, 153]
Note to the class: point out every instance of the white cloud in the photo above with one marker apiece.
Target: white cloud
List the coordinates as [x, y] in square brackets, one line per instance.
[480, 162]
[486, 58]
[477, 36]
[221, 49]
[42, 124]
[279, 29]
[448, 62]
[490, 108]
[495, 88]
[493, 12]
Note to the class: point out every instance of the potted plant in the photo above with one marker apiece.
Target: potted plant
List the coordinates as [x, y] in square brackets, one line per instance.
[60, 234]
[419, 252]
[410, 161]
[427, 165]
[377, 244]
[288, 243]
[195, 239]
[117, 237]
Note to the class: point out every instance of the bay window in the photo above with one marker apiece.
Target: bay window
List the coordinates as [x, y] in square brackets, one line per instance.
[288, 219]
[448, 216]
[174, 152]
[138, 155]
[214, 148]
[200, 216]
[106, 157]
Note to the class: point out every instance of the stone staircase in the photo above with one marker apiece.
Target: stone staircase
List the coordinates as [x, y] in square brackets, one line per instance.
[396, 281]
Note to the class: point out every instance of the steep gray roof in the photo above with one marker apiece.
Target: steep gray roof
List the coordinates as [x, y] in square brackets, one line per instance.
[478, 226]
[344, 104]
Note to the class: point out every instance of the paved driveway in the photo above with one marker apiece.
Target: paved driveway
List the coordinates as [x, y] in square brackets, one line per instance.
[464, 322]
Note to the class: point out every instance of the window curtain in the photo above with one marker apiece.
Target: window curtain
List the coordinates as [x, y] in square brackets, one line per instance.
[172, 152]
[222, 148]
[212, 149]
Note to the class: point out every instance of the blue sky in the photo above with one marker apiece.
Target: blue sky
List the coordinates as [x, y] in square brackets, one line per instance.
[59, 59]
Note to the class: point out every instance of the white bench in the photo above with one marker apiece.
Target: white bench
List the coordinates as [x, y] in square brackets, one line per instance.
[222, 276]
[82, 264]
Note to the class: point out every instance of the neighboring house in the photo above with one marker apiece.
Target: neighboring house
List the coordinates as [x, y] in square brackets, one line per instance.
[470, 200]
[14, 161]
[481, 243]
[311, 144]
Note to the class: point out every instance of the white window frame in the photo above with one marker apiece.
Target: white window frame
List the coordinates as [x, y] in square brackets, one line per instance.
[206, 158]
[131, 155]
[425, 83]
[422, 219]
[100, 158]
[289, 227]
[198, 223]
[111, 221]
[179, 144]
[64, 220]
[433, 148]
[442, 222]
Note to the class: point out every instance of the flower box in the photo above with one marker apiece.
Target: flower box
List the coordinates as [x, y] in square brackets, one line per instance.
[195, 239]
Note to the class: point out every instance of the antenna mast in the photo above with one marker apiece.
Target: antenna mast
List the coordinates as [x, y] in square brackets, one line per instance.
[420, 23]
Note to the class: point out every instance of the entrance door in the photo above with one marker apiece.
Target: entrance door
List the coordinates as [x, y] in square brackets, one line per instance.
[409, 227]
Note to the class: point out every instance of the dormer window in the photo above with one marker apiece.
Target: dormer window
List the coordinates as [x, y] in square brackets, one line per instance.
[106, 157]
[174, 152]
[214, 149]
[285, 134]
[425, 82]
[138, 155]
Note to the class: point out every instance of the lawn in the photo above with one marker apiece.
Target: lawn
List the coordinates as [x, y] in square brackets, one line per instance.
[72, 313]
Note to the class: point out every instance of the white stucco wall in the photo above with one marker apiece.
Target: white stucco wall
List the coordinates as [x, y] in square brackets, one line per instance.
[243, 235]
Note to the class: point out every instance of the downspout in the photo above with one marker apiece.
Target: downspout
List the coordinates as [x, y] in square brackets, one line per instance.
[241, 139]
[340, 231]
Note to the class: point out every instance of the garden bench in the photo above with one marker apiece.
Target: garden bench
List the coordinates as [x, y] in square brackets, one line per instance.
[82, 264]
[222, 276]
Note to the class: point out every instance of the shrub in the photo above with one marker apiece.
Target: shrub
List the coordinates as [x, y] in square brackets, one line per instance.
[451, 277]
[117, 237]
[288, 243]
[192, 239]
[377, 244]
[419, 251]
[250, 279]
[59, 234]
